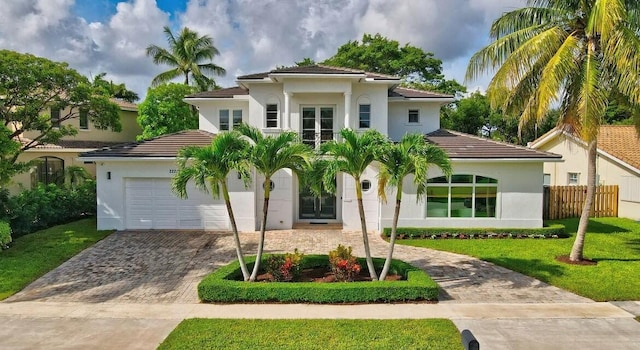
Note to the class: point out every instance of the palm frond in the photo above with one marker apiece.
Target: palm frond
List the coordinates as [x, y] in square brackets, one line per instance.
[605, 17]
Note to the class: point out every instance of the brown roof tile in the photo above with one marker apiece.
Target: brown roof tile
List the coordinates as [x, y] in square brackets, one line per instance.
[317, 69]
[459, 145]
[622, 142]
[221, 93]
[413, 93]
[124, 105]
[159, 147]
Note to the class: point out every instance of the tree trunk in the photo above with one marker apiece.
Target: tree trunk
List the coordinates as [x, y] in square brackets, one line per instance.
[263, 227]
[392, 239]
[365, 237]
[234, 228]
[578, 245]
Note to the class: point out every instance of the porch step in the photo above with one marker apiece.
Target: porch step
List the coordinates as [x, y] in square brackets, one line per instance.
[317, 226]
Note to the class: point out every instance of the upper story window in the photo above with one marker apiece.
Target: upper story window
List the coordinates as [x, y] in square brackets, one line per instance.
[414, 116]
[84, 119]
[573, 178]
[272, 115]
[364, 113]
[55, 117]
[224, 119]
[463, 196]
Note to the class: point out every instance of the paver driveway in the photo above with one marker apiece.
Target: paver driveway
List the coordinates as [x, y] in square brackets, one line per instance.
[165, 267]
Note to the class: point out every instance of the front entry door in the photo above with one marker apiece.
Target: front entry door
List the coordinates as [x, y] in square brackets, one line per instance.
[313, 207]
[317, 125]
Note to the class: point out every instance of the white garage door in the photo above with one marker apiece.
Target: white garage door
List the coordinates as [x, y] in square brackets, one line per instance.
[150, 204]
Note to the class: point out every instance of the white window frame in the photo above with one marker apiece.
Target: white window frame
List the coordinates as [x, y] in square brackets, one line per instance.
[231, 121]
[473, 185]
[361, 113]
[415, 111]
[571, 182]
[277, 115]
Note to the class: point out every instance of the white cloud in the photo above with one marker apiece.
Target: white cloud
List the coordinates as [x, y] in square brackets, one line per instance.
[252, 35]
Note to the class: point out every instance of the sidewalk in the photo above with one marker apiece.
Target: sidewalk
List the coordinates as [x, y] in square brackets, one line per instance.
[53, 325]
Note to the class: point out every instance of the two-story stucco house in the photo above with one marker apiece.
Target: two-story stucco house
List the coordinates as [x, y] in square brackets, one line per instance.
[51, 159]
[495, 184]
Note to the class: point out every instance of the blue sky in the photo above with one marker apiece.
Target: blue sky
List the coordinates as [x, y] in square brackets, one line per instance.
[110, 36]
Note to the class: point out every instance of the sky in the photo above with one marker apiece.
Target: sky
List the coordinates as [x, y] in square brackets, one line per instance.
[253, 36]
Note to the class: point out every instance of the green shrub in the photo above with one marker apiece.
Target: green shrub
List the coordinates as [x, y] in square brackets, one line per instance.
[5, 235]
[226, 285]
[285, 268]
[49, 205]
[552, 231]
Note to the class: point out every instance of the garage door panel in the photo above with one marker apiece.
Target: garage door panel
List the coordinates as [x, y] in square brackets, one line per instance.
[152, 205]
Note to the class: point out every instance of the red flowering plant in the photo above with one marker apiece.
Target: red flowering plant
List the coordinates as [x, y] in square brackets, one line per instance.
[343, 264]
[285, 268]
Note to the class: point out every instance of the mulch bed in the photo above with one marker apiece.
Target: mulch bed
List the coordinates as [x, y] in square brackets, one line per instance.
[584, 262]
[323, 275]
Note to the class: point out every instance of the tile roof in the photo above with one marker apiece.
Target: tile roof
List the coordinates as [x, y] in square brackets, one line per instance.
[69, 144]
[459, 145]
[221, 93]
[165, 146]
[317, 69]
[124, 105]
[622, 142]
[413, 93]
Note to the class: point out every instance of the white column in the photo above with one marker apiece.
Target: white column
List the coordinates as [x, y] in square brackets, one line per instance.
[287, 112]
[347, 110]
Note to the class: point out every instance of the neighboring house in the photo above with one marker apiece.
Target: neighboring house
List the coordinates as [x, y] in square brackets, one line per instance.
[618, 163]
[52, 159]
[495, 184]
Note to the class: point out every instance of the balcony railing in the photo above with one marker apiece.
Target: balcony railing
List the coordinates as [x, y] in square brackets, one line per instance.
[315, 139]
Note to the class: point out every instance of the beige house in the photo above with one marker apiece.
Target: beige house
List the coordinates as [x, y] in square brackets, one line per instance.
[53, 159]
[618, 163]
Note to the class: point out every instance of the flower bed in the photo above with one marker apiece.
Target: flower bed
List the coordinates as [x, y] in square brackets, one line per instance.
[226, 285]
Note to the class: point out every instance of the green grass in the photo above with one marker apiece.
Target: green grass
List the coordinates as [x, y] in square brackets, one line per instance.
[613, 242]
[33, 255]
[313, 334]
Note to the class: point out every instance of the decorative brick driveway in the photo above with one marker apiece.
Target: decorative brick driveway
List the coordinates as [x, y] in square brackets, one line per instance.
[165, 267]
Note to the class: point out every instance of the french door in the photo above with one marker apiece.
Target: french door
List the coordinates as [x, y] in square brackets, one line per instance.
[317, 125]
[316, 207]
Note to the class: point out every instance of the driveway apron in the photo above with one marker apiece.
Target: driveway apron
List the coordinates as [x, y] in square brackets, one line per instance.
[166, 266]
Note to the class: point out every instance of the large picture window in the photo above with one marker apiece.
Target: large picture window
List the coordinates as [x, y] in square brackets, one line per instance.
[464, 196]
[48, 170]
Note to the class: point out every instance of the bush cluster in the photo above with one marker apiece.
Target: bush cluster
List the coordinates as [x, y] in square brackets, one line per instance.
[284, 268]
[226, 285]
[5, 235]
[48, 205]
[343, 264]
[553, 231]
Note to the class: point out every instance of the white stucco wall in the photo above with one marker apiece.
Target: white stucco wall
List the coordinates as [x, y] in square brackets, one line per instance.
[209, 117]
[575, 161]
[519, 198]
[399, 118]
[350, 213]
[111, 213]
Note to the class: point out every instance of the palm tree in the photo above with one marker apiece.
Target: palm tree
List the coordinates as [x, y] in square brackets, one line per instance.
[352, 156]
[186, 54]
[269, 154]
[209, 168]
[568, 53]
[411, 156]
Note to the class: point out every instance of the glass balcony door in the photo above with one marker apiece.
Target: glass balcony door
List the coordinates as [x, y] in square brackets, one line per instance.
[317, 125]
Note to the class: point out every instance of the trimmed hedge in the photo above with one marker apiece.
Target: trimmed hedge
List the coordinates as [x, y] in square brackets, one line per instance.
[553, 231]
[48, 205]
[5, 235]
[226, 285]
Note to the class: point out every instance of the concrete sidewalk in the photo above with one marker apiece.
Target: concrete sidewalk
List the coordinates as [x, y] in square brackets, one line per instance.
[53, 325]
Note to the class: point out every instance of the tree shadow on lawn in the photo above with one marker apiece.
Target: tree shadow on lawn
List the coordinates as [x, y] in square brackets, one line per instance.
[571, 226]
[533, 268]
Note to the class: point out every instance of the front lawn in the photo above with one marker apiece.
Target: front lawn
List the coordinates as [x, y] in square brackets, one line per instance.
[613, 242]
[313, 334]
[33, 255]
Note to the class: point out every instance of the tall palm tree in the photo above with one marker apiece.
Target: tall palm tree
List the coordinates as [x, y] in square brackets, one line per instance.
[569, 53]
[411, 156]
[209, 168]
[268, 155]
[186, 55]
[352, 156]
